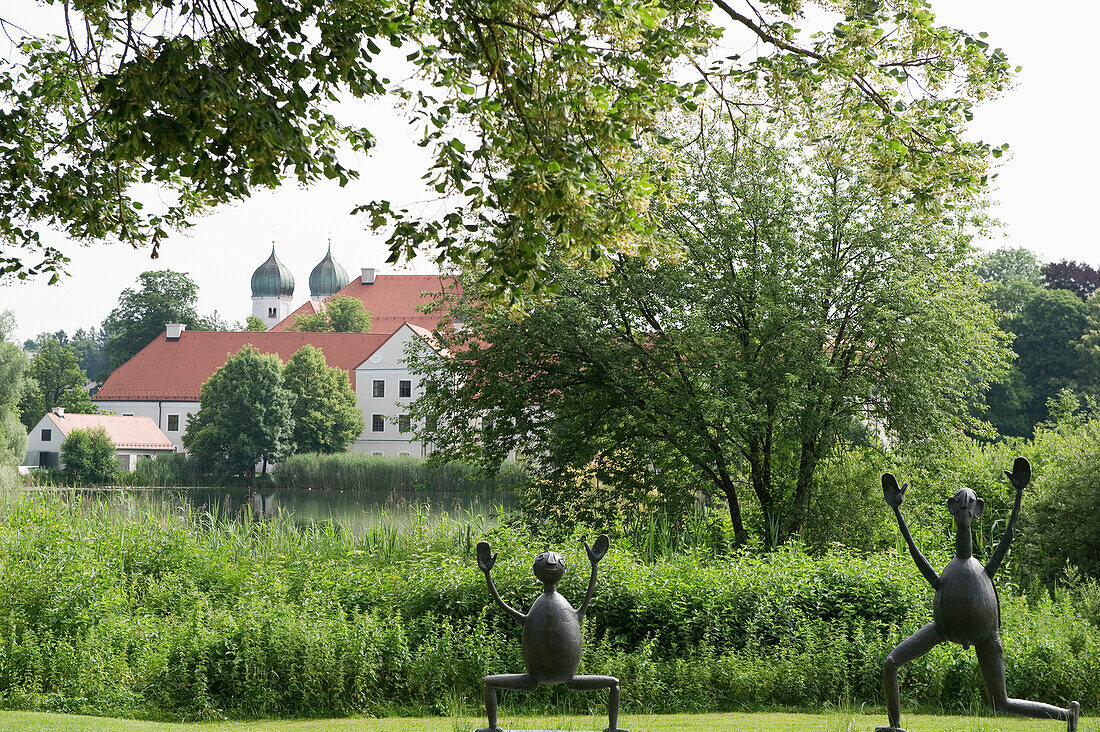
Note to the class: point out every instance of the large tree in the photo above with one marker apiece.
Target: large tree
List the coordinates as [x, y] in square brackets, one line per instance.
[1051, 331]
[1078, 277]
[1008, 265]
[325, 412]
[162, 297]
[1089, 350]
[1048, 331]
[56, 380]
[804, 302]
[539, 116]
[91, 351]
[244, 414]
[13, 380]
[89, 346]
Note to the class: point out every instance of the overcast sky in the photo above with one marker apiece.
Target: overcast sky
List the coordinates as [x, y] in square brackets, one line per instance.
[1046, 190]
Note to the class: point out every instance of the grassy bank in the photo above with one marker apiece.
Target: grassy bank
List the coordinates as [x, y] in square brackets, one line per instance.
[162, 616]
[829, 722]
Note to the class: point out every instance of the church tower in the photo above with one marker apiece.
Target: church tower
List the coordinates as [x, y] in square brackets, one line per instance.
[327, 278]
[272, 291]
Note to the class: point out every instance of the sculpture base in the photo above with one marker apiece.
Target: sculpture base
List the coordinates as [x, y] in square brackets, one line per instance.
[487, 729]
[889, 729]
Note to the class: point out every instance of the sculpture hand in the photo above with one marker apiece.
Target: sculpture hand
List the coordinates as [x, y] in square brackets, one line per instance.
[1020, 475]
[485, 560]
[598, 550]
[891, 492]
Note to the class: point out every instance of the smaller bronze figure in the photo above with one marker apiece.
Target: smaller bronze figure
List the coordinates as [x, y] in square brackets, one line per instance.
[551, 634]
[965, 609]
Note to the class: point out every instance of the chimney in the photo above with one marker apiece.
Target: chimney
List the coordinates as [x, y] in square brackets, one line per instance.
[173, 331]
[368, 275]
[59, 411]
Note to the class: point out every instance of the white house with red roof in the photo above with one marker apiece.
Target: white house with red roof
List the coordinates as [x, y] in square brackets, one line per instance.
[164, 380]
[134, 437]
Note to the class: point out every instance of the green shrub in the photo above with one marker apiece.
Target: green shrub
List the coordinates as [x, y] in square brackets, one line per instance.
[89, 457]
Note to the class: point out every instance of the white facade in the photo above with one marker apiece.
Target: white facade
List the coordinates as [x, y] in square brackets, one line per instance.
[170, 416]
[384, 372]
[272, 310]
[385, 389]
[44, 446]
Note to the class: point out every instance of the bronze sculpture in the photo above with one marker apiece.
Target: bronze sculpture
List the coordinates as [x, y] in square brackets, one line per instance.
[966, 609]
[551, 634]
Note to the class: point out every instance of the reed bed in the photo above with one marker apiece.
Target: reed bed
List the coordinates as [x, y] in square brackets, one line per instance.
[351, 472]
[170, 613]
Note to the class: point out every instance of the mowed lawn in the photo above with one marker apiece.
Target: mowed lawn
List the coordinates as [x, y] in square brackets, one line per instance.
[834, 722]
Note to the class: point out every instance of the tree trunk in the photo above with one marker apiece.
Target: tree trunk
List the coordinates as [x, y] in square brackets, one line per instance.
[760, 475]
[807, 468]
[740, 536]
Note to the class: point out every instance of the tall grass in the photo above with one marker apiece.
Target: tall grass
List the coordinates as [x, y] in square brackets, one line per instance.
[164, 471]
[351, 471]
[160, 612]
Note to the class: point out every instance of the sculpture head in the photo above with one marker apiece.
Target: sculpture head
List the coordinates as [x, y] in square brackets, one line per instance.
[965, 506]
[549, 568]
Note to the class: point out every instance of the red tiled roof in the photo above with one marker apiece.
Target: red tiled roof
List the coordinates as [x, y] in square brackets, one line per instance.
[125, 432]
[175, 370]
[391, 301]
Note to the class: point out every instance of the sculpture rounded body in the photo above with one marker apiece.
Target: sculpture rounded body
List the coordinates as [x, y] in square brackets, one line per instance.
[966, 608]
[552, 639]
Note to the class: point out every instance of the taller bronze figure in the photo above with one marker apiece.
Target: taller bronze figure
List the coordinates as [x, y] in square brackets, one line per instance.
[551, 634]
[966, 609]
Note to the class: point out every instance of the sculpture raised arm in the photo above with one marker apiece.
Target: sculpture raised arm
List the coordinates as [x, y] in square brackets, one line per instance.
[1019, 478]
[485, 560]
[595, 554]
[894, 496]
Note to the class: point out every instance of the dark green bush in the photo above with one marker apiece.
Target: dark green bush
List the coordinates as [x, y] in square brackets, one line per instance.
[89, 457]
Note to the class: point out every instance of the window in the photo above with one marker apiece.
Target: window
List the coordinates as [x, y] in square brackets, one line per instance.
[47, 435]
[404, 454]
[379, 388]
[377, 423]
[127, 414]
[173, 423]
[404, 423]
[376, 453]
[405, 388]
[271, 313]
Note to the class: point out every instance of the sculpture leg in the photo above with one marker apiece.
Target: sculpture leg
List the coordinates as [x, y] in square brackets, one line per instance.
[908, 650]
[522, 682]
[588, 683]
[991, 660]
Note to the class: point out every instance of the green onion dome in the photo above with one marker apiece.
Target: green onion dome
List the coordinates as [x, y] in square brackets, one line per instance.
[328, 277]
[272, 279]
